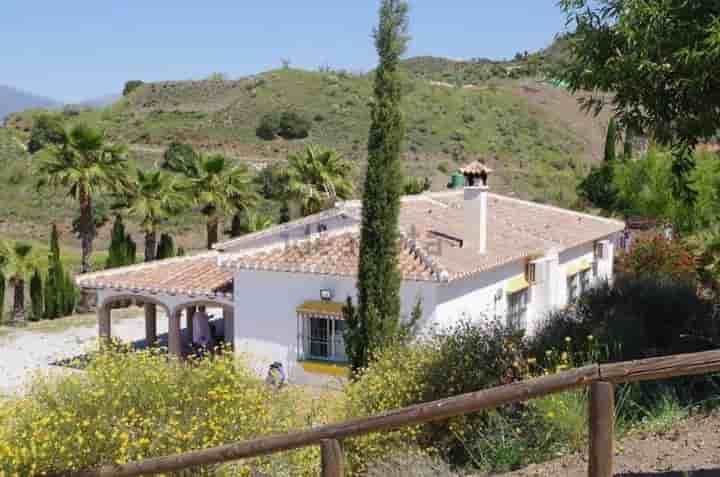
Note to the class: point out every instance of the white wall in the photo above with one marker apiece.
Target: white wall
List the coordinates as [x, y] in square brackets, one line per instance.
[266, 322]
[473, 299]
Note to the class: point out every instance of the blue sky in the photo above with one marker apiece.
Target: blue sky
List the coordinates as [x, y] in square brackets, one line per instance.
[82, 49]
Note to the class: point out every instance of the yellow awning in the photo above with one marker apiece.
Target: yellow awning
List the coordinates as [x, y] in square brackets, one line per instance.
[578, 266]
[322, 309]
[517, 284]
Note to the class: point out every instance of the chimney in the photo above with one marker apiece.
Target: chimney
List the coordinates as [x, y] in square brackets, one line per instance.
[475, 208]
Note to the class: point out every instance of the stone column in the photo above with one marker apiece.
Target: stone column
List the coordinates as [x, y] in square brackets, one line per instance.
[189, 315]
[150, 323]
[174, 337]
[104, 333]
[229, 325]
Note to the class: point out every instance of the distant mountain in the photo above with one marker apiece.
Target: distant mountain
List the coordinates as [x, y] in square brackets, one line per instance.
[14, 100]
[99, 102]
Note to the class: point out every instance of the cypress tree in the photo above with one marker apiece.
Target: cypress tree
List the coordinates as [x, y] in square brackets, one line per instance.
[122, 247]
[628, 145]
[36, 296]
[166, 247]
[378, 274]
[54, 283]
[70, 295]
[610, 141]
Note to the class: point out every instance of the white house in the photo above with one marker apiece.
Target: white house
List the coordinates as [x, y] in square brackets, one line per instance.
[468, 254]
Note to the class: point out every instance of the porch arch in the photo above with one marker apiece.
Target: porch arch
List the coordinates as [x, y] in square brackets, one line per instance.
[228, 310]
[104, 310]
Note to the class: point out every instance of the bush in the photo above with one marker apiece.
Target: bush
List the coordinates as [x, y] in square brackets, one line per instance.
[129, 406]
[285, 124]
[416, 185]
[178, 157]
[463, 359]
[131, 86]
[47, 129]
[661, 258]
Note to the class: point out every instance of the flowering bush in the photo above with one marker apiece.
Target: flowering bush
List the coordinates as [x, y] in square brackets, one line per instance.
[129, 406]
[660, 258]
[466, 358]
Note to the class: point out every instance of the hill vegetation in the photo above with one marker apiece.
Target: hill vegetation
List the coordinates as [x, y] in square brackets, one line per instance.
[531, 133]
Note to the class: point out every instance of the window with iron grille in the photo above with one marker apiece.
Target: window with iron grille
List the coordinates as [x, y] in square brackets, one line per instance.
[517, 310]
[323, 339]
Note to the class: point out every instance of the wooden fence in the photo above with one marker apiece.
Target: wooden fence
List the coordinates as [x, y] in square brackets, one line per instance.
[600, 378]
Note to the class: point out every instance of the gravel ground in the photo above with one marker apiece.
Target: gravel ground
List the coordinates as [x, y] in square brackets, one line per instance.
[26, 352]
[690, 449]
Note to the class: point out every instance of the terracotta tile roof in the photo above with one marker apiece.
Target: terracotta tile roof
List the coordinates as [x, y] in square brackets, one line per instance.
[433, 237]
[326, 255]
[192, 275]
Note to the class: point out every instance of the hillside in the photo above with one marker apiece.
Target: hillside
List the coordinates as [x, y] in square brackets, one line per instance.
[531, 133]
[13, 100]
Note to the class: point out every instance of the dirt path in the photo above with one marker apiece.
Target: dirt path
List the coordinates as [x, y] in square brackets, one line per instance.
[25, 352]
[690, 449]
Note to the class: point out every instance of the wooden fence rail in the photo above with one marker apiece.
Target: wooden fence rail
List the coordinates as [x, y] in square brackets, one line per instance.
[601, 378]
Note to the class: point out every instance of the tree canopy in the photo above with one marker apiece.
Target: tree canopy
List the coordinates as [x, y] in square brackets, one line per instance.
[656, 63]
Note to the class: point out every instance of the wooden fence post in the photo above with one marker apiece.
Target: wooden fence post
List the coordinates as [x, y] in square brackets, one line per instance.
[602, 417]
[331, 456]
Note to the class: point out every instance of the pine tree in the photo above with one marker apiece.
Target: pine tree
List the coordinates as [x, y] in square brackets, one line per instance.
[378, 274]
[610, 141]
[54, 292]
[166, 247]
[36, 296]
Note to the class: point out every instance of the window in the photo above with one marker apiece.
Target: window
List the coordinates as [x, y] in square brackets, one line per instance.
[323, 339]
[584, 281]
[572, 288]
[517, 310]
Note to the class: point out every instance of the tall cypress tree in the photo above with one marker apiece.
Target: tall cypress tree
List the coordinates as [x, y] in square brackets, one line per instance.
[166, 247]
[378, 273]
[628, 145]
[611, 141]
[55, 278]
[36, 296]
[122, 249]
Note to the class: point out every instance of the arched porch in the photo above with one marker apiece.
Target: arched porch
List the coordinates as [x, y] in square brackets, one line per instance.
[176, 285]
[179, 309]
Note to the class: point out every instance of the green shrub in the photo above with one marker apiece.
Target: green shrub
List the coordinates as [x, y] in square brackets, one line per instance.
[285, 124]
[416, 185]
[463, 359]
[131, 86]
[47, 129]
[128, 406]
[178, 157]
[444, 167]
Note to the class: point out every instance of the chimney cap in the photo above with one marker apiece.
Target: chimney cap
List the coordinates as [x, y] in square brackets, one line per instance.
[475, 170]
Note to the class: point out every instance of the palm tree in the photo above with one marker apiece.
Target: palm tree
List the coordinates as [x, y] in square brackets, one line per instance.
[152, 197]
[318, 177]
[219, 188]
[85, 164]
[18, 261]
